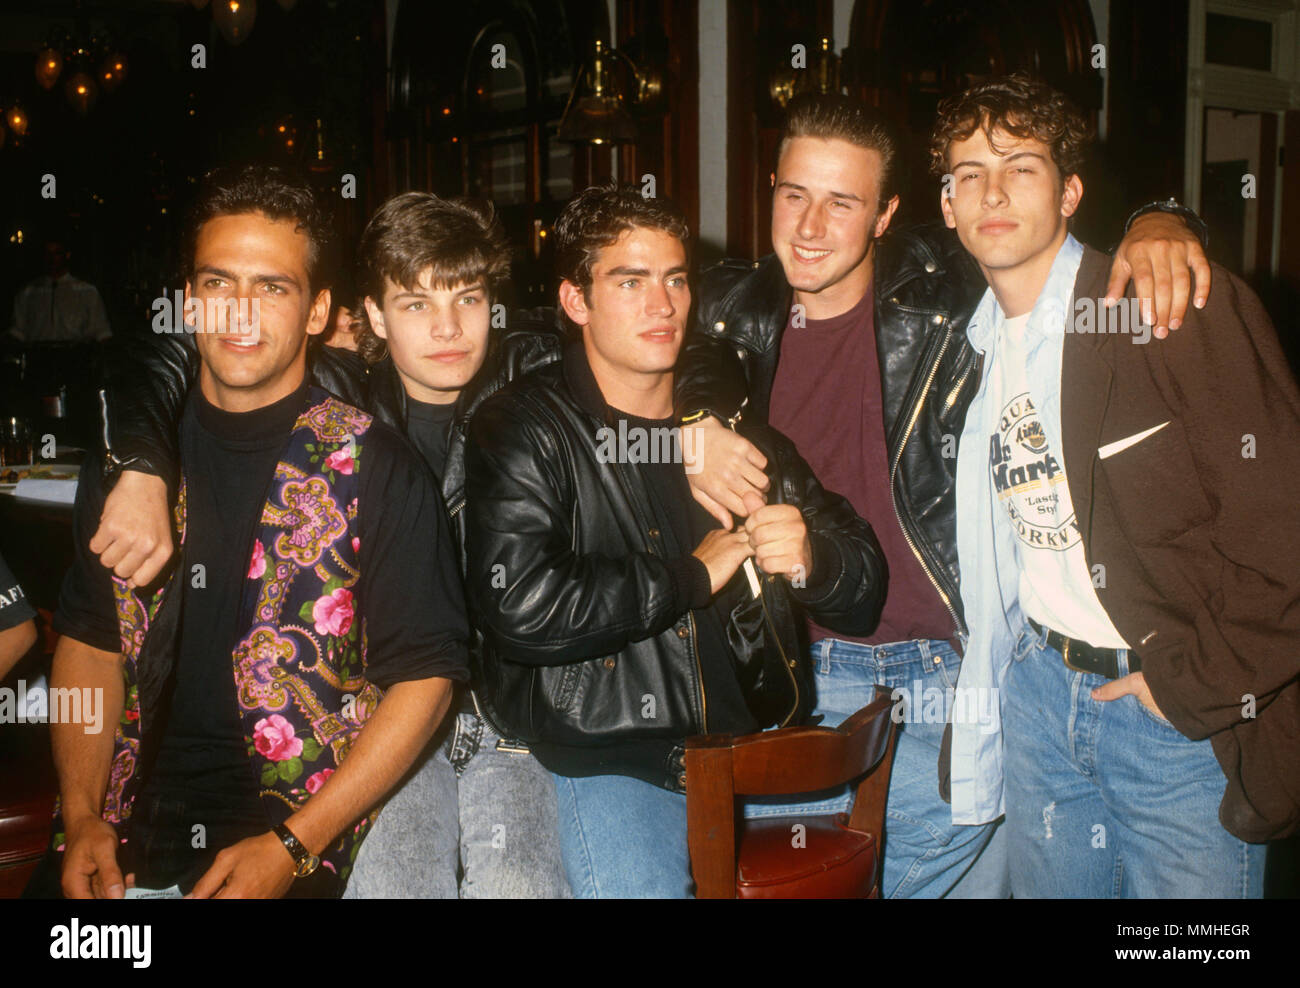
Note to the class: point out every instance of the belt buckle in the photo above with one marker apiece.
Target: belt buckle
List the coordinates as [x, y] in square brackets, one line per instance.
[1065, 654]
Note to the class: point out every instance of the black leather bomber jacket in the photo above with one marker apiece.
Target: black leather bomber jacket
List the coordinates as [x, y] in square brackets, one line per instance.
[926, 289]
[583, 614]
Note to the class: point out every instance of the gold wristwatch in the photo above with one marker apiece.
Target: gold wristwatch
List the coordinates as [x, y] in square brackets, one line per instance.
[304, 861]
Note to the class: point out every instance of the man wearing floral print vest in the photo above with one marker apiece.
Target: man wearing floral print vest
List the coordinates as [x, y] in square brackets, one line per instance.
[273, 688]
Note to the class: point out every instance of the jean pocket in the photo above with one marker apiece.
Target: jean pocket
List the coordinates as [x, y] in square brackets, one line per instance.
[1152, 716]
[946, 664]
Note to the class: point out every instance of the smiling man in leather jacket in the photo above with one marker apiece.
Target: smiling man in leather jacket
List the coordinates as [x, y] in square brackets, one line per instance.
[855, 348]
[619, 618]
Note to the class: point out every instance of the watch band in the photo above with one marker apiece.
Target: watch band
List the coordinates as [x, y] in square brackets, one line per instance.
[304, 861]
[1172, 205]
[700, 414]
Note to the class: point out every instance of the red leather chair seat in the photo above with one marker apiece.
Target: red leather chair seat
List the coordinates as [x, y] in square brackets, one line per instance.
[835, 861]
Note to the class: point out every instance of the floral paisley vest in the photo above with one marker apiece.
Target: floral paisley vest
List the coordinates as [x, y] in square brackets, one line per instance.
[299, 666]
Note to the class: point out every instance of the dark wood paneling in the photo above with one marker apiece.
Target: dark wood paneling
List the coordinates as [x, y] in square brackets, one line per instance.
[759, 38]
[667, 146]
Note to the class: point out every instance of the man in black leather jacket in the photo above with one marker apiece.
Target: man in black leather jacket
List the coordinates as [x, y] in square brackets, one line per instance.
[869, 372]
[619, 618]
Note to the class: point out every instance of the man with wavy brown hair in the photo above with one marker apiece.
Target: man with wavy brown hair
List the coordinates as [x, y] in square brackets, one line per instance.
[1136, 617]
[477, 818]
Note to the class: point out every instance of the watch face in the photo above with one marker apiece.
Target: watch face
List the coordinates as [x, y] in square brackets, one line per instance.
[307, 866]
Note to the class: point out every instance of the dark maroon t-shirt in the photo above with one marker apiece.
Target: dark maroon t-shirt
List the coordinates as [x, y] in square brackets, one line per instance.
[826, 399]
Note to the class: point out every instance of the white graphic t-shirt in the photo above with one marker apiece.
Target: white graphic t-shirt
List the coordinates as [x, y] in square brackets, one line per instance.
[1056, 588]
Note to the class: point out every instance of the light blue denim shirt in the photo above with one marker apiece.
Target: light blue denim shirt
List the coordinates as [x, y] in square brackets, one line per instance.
[986, 550]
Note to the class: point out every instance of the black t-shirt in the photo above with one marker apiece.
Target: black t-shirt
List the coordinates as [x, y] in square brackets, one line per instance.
[683, 524]
[229, 461]
[428, 426]
[14, 608]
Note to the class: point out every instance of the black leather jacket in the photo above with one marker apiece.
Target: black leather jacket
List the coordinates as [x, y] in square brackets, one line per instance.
[926, 289]
[583, 614]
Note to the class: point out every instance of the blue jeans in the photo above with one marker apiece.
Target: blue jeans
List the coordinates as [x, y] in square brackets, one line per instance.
[624, 838]
[472, 819]
[1106, 800]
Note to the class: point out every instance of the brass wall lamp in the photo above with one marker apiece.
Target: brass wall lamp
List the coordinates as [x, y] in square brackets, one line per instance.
[821, 75]
[597, 111]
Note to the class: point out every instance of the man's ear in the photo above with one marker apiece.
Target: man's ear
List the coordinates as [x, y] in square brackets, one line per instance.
[945, 205]
[886, 214]
[186, 304]
[376, 316]
[320, 313]
[1071, 196]
[573, 302]
[771, 179]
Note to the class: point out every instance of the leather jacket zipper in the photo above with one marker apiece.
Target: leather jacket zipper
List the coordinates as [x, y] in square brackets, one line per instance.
[952, 395]
[893, 493]
[693, 643]
[785, 659]
[510, 743]
[699, 677]
[771, 625]
[479, 709]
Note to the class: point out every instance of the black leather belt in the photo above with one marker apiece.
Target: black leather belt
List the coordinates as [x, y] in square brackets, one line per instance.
[1082, 657]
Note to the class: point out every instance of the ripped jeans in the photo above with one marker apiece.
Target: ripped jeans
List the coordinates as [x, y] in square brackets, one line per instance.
[1106, 800]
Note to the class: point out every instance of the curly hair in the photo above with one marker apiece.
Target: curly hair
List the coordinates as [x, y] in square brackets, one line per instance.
[276, 193]
[598, 216]
[1019, 105]
[461, 241]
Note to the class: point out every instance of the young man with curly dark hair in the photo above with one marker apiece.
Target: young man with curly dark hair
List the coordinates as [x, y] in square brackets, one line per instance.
[1120, 535]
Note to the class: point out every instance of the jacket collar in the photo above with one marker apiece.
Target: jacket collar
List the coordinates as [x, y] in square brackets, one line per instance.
[1051, 312]
[905, 255]
[894, 266]
[581, 381]
[763, 294]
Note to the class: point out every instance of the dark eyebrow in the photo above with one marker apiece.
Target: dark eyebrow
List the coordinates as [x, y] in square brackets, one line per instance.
[277, 278]
[410, 293]
[476, 287]
[833, 195]
[625, 272]
[1010, 157]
